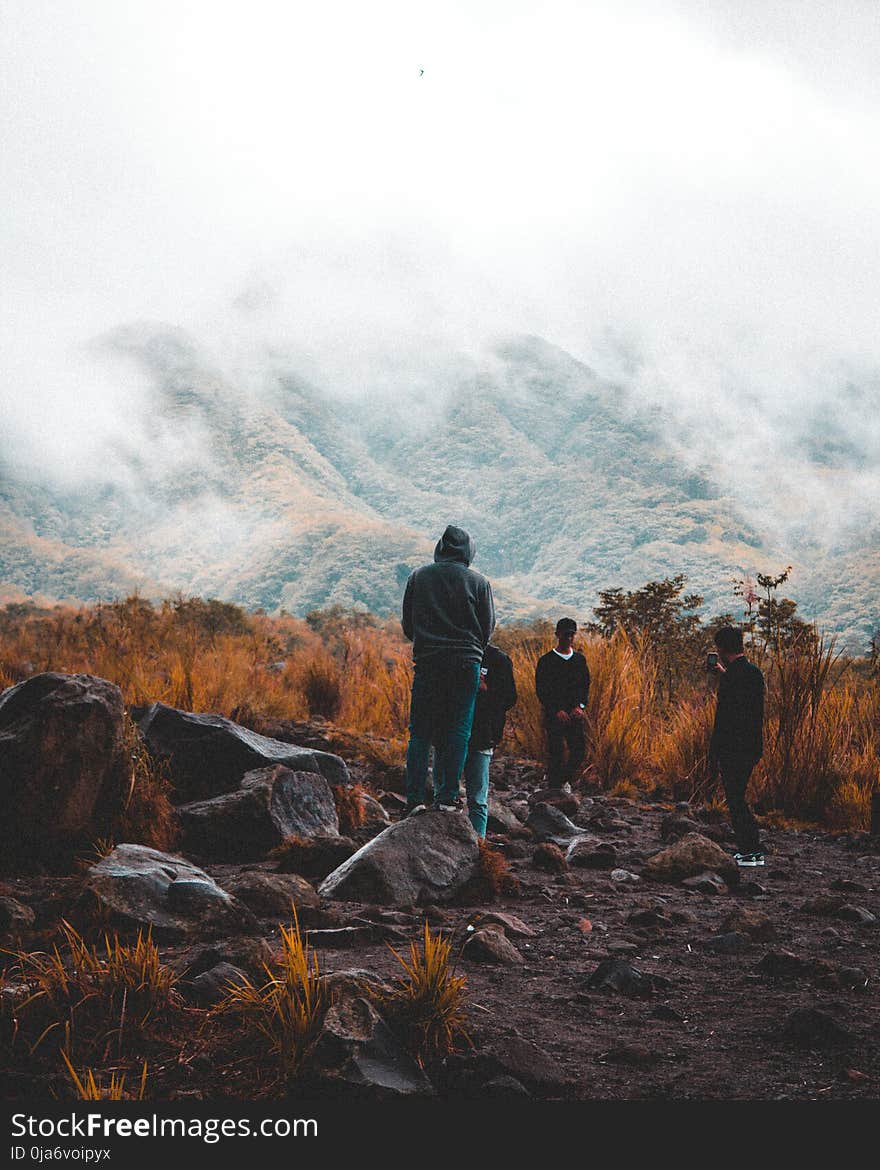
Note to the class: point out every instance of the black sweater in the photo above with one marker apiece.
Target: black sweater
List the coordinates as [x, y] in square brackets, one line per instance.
[448, 611]
[739, 716]
[561, 683]
[494, 702]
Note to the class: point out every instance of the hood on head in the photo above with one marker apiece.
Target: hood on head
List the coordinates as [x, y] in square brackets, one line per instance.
[455, 545]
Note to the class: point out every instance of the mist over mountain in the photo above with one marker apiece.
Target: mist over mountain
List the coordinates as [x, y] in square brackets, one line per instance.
[298, 497]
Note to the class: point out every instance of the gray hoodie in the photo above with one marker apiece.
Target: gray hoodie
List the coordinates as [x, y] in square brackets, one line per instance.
[448, 610]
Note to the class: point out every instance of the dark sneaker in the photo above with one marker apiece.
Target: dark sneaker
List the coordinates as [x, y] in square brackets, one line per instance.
[749, 859]
[456, 806]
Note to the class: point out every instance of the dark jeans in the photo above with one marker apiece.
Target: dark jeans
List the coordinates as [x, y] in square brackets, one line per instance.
[441, 712]
[735, 773]
[572, 734]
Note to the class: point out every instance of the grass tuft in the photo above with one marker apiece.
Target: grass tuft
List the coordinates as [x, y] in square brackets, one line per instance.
[429, 999]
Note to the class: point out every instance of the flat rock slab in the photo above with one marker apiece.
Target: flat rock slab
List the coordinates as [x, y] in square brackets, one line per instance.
[549, 823]
[63, 769]
[270, 805]
[208, 755]
[425, 858]
[273, 894]
[142, 888]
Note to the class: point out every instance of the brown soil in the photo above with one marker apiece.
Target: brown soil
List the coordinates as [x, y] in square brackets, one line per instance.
[709, 1024]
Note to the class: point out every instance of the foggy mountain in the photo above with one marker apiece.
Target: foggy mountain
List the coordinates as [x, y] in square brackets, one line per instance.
[299, 498]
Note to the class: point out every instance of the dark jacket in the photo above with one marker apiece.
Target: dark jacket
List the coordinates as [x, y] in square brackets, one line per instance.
[448, 610]
[495, 701]
[739, 715]
[562, 684]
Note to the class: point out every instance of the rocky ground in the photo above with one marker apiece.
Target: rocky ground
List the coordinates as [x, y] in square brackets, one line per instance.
[626, 957]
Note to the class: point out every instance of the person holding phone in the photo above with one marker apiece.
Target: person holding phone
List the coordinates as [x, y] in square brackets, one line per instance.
[738, 736]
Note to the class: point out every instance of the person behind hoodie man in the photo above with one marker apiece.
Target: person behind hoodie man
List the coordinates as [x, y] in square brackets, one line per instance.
[449, 616]
[738, 738]
[495, 697]
[562, 683]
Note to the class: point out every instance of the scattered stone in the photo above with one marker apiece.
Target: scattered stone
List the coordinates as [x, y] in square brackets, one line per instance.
[15, 917]
[213, 986]
[857, 914]
[427, 858]
[548, 823]
[566, 802]
[652, 917]
[587, 853]
[847, 885]
[674, 826]
[814, 1028]
[512, 926]
[618, 976]
[345, 937]
[490, 945]
[313, 857]
[786, 966]
[750, 921]
[357, 981]
[505, 1086]
[550, 858]
[620, 947]
[727, 944]
[208, 755]
[694, 854]
[133, 886]
[273, 894]
[664, 1012]
[623, 877]
[64, 772]
[270, 805]
[824, 904]
[529, 1064]
[375, 817]
[356, 1048]
[502, 818]
[706, 883]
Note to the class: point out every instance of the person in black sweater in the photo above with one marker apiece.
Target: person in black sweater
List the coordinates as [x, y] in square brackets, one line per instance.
[562, 682]
[495, 697]
[738, 738]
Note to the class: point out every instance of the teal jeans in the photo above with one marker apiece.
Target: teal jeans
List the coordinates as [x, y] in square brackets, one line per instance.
[441, 713]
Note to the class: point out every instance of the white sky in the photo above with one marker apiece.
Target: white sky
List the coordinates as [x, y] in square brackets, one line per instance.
[695, 183]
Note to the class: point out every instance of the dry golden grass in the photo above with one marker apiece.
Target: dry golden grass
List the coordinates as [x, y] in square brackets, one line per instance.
[92, 997]
[429, 999]
[496, 872]
[821, 732]
[87, 1087]
[287, 1011]
[349, 807]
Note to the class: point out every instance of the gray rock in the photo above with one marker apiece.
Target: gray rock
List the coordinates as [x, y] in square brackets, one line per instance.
[706, 883]
[588, 853]
[623, 877]
[427, 858]
[549, 823]
[273, 894]
[213, 986]
[270, 805]
[313, 857]
[512, 926]
[617, 975]
[750, 921]
[208, 755]
[356, 1048]
[133, 886]
[63, 768]
[857, 914]
[814, 1028]
[15, 917]
[490, 945]
[692, 855]
[731, 943]
[534, 1068]
[502, 818]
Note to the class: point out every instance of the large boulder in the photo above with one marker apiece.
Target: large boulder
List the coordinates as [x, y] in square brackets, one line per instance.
[208, 755]
[138, 888]
[690, 857]
[63, 767]
[270, 805]
[426, 858]
[357, 1051]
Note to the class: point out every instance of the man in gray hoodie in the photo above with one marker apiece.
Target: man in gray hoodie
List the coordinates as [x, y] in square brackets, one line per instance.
[449, 616]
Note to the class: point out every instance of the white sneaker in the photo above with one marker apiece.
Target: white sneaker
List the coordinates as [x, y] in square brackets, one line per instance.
[458, 807]
[418, 808]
